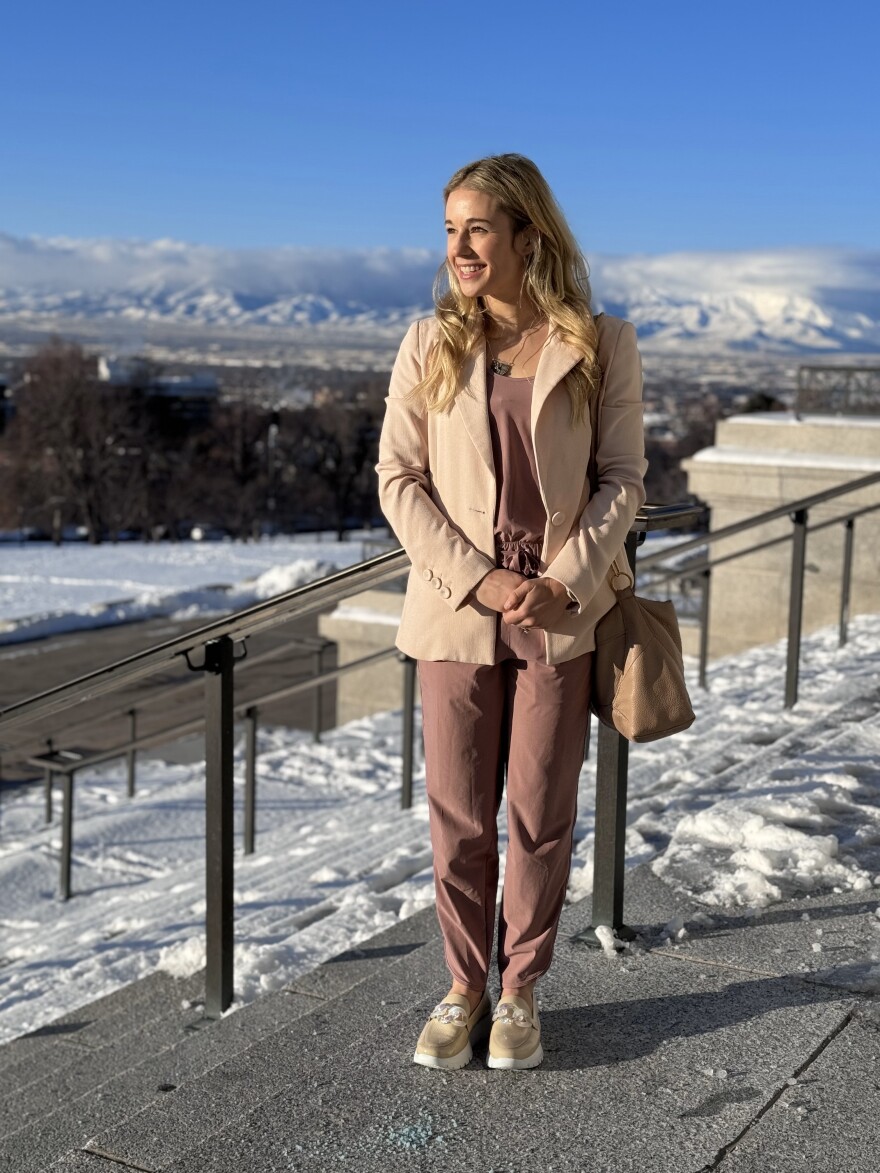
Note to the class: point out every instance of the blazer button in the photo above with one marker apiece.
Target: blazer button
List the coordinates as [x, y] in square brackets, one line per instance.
[446, 592]
[437, 583]
[429, 574]
[558, 518]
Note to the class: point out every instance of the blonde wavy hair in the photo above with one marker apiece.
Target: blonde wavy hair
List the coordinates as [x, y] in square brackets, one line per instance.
[556, 278]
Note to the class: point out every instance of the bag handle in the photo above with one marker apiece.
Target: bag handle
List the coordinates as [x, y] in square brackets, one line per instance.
[618, 573]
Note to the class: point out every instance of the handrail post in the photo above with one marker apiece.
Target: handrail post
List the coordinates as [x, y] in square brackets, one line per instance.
[706, 583]
[317, 706]
[219, 812]
[609, 857]
[846, 580]
[66, 832]
[49, 781]
[409, 725]
[131, 756]
[250, 778]
[795, 605]
[612, 763]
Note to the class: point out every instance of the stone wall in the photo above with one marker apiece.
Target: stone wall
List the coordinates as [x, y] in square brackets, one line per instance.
[365, 623]
[761, 461]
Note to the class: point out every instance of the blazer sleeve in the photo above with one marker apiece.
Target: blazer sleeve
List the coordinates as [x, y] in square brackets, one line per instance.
[585, 558]
[435, 547]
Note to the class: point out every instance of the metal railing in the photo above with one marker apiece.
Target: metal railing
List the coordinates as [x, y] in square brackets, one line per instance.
[216, 642]
[133, 710]
[798, 511]
[611, 770]
[66, 763]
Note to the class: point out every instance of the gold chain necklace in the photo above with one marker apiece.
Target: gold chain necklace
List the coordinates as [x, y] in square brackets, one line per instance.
[504, 368]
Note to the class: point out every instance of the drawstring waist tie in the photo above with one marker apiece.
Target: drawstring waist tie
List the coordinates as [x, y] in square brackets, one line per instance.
[519, 553]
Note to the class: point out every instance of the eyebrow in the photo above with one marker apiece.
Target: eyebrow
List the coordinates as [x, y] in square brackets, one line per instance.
[472, 220]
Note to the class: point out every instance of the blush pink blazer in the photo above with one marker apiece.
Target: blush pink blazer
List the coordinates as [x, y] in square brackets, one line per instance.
[437, 490]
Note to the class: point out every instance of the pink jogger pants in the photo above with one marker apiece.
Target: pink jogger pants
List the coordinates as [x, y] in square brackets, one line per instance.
[531, 718]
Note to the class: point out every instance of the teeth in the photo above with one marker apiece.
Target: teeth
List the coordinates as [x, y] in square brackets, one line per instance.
[471, 268]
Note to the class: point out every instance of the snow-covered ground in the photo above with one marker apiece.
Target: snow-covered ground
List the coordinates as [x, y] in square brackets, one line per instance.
[46, 590]
[752, 805]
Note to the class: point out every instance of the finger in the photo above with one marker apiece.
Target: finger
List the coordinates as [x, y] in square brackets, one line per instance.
[514, 618]
[516, 595]
[518, 614]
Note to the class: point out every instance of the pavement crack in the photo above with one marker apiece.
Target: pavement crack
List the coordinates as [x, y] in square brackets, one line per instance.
[117, 1160]
[659, 951]
[719, 1157]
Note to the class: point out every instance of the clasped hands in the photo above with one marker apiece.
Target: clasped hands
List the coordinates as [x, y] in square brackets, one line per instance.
[523, 602]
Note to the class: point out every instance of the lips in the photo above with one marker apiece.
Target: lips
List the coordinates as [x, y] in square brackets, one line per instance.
[466, 273]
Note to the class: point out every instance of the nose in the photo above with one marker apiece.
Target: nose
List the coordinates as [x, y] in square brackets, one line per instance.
[462, 247]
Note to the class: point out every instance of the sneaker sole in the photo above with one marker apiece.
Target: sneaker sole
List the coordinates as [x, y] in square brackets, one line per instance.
[505, 1064]
[462, 1057]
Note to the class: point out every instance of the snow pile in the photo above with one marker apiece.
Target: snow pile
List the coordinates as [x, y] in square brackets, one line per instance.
[755, 804]
[45, 591]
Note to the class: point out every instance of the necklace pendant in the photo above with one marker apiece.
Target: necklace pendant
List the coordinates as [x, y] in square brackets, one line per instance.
[501, 368]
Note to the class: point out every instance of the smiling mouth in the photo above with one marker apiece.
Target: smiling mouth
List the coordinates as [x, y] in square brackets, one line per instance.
[467, 271]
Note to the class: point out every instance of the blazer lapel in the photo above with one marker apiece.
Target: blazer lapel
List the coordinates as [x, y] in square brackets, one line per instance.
[473, 404]
[562, 450]
[556, 360]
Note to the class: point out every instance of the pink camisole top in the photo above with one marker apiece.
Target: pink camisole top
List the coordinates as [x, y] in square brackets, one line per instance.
[519, 510]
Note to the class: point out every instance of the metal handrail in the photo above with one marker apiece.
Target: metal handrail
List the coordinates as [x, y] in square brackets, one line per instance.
[173, 732]
[798, 513]
[295, 603]
[704, 564]
[67, 763]
[316, 596]
[134, 707]
[739, 527]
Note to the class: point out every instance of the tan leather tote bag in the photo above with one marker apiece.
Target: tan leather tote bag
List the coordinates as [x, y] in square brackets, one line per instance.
[637, 684]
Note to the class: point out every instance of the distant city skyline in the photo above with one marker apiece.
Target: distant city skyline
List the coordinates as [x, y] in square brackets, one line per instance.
[686, 127]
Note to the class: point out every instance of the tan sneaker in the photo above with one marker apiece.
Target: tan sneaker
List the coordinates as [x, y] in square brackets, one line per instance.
[450, 1030]
[515, 1041]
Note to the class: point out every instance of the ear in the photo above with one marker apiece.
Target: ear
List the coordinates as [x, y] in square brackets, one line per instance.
[525, 240]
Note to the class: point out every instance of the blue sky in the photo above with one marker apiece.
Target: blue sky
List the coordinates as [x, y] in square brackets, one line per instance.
[660, 127]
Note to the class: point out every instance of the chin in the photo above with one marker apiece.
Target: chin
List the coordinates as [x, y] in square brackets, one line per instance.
[472, 289]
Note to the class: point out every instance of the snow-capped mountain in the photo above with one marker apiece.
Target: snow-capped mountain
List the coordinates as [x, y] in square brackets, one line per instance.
[775, 301]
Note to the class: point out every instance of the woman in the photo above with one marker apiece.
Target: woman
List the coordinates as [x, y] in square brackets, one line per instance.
[483, 477]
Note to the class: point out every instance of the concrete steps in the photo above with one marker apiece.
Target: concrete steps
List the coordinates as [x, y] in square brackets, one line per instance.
[278, 896]
[65, 1095]
[633, 1044]
[319, 1075]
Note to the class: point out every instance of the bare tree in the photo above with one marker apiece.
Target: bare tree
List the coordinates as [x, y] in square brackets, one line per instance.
[70, 440]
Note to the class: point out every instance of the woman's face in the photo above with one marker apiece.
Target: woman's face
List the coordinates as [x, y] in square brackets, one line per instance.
[482, 251]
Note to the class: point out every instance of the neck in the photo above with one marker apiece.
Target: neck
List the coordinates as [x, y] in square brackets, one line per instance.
[506, 318]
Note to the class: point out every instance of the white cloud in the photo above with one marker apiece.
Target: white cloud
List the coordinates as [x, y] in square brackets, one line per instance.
[378, 277]
[812, 298]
